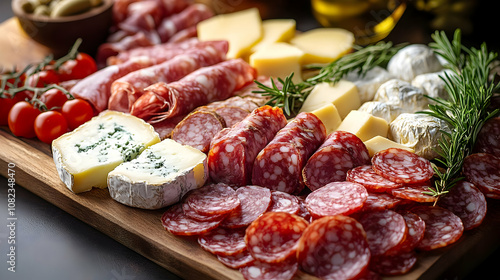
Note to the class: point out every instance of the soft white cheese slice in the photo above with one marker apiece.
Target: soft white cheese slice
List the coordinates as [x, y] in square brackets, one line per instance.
[85, 156]
[159, 176]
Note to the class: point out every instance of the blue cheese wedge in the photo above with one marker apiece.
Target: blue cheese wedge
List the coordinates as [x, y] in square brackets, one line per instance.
[158, 177]
[85, 156]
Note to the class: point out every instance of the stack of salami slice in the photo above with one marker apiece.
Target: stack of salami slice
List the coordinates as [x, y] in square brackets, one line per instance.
[370, 218]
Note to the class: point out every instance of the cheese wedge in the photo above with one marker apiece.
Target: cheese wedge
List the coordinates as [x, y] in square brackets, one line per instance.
[364, 125]
[344, 95]
[85, 156]
[379, 143]
[278, 60]
[159, 176]
[330, 117]
[323, 45]
[242, 29]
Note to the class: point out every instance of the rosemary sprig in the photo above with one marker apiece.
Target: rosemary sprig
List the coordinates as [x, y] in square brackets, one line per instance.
[470, 92]
[290, 95]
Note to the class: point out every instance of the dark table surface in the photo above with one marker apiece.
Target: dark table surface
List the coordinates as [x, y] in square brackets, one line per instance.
[51, 244]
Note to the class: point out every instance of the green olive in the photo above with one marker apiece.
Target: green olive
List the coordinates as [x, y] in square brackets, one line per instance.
[71, 7]
[41, 10]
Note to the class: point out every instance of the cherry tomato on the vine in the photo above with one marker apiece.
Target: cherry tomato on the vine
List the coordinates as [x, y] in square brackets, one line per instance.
[49, 125]
[54, 99]
[43, 78]
[22, 118]
[6, 104]
[77, 111]
[79, 68]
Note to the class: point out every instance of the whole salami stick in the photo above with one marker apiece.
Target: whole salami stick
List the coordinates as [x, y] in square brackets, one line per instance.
[217, 82]
[279, 165]
[127, 89]
[233, 150]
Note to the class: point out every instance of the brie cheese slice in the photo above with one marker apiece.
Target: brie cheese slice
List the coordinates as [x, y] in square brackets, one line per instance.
[159, 176]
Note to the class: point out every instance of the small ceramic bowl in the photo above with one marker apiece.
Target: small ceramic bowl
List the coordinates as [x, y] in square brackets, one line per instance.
[60, 33]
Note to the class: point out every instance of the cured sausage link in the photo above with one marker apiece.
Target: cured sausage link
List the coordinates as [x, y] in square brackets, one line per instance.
[233, 150]
[279, 165]
[217, 82]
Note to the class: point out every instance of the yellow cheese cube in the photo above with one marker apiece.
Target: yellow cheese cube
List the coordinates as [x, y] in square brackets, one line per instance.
[364, 125]
[278, 60]
[323, 45]
[330, 117]
[344, 95]
[242, 29]
[274, 31]
[379, 143]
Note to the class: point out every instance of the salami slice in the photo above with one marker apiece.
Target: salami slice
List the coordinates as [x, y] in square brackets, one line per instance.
[334, 247]
[336, 198]
[231, 114]
[127, 89]
[402, 166]
[279, 165]
[197, 129]
[350, 142]
[488, 139]
[213, 199]
[366, 176]
[266, 271]
[380, 201]
[239, 260]
[165, 127]
[273, 237]
[414, 192]
[217, 82]
[190, 213]
[175, 221]
[385, 230]
[442, 227]
[284, 202]
[481, 169]
[416, 229]
[467, 202]
[223, 242]
[254, 201]
[393, 265]
[235, 101]
[327, 165]
[233, 151]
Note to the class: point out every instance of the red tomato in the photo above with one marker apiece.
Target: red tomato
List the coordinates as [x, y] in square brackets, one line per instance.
[43, 78]
[22, 118]
[54, 99]
[49, 125]
[78, 68]
[77, 111]
[6, 104]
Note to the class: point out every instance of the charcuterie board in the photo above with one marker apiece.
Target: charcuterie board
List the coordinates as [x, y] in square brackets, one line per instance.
[141, 230]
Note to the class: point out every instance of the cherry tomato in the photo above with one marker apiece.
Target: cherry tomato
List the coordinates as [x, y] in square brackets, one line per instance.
[78, 68]
[49, 125]
[43, 78]
[77, 111]
[6, 104]
[54, 99]
[22, 118]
